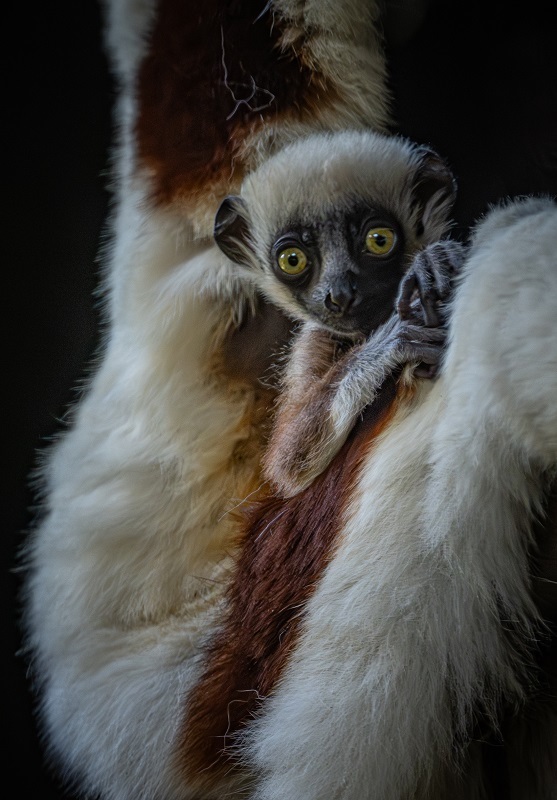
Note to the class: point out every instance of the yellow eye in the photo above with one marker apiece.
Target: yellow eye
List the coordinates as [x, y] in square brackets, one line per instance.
[380, 241]
[292, 260]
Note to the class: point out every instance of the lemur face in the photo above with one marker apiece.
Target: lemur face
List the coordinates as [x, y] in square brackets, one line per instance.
[327, 228]
[344, 270]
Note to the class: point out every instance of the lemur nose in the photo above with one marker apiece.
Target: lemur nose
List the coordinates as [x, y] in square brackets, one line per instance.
[340, 298]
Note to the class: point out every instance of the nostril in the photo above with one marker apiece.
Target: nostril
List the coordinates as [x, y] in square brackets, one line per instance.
[339, 302]
[332, 304]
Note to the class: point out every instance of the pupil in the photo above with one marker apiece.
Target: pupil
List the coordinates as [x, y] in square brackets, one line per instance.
[380, 239]
[293, 260]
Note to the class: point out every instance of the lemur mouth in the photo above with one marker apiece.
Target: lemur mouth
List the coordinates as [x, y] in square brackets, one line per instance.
[355, 326]
[349, 328]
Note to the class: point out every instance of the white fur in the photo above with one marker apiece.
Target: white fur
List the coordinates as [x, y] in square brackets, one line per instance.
[436, 531]
[128, 24]
[127, 561]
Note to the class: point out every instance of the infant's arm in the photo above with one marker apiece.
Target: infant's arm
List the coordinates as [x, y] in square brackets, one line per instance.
[327, 385]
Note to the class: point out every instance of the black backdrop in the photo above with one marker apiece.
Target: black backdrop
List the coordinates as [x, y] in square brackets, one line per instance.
[475, 80]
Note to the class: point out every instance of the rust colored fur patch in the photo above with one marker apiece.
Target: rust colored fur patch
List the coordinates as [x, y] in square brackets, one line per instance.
[285, 546]
[212, 76]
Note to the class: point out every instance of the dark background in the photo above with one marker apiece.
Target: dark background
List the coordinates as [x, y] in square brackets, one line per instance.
[476, 80]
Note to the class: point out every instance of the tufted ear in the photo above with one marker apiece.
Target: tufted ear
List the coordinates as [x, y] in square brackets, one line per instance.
[434, 187]
[231, 230]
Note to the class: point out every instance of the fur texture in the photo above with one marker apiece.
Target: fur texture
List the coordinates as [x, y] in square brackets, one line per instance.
[129, 561]
[424, 618]
[130, 555]
[322, 195]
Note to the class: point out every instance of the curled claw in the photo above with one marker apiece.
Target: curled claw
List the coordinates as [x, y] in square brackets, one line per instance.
[431, 276]
[424, 345]
[418, 280]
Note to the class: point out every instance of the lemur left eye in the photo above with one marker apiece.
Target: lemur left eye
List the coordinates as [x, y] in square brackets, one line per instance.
[380, 241]
[292, 260]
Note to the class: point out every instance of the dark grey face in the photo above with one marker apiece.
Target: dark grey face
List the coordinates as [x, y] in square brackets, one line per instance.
[343, 270]
[346, 270]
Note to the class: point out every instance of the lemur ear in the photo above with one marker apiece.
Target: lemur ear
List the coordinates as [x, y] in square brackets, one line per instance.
[434, 188]
[231, 229]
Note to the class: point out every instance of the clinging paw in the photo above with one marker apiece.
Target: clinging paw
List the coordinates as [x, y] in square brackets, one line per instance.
[400, 342]
[431, 276]
[422, 344]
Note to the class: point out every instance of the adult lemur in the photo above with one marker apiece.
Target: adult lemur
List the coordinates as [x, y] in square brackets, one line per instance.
[129, 562]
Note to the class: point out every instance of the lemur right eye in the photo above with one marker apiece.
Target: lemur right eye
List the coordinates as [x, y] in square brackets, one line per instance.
[380, 241]
[292, 260]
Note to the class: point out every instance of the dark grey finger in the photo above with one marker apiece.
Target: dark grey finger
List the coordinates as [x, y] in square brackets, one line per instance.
[429, 354]
[431, 317]
[415, 333]
[405, 293]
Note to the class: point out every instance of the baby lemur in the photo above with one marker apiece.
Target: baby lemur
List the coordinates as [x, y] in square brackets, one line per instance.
[352, 250]
[344, 233]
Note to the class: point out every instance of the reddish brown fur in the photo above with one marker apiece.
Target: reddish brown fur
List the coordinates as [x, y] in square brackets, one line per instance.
[285, 546]
[190, 129]
[303, 425]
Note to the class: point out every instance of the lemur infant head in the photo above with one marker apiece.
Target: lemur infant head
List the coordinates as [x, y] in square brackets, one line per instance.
[327, 227]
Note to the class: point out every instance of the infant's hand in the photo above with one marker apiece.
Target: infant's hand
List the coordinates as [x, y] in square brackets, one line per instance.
[400, 342]
[432, 276]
